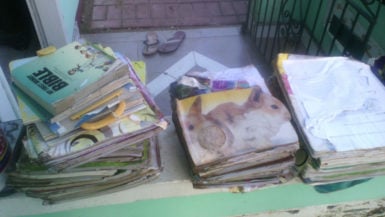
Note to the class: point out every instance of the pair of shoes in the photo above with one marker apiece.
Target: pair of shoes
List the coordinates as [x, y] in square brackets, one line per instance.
[151, 43]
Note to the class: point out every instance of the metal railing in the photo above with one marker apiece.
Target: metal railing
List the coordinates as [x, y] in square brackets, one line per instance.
[312, 27]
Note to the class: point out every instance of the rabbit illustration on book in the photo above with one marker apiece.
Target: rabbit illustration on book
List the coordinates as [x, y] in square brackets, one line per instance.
[231, 127]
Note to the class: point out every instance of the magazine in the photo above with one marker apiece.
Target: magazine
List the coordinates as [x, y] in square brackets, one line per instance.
[221, 125]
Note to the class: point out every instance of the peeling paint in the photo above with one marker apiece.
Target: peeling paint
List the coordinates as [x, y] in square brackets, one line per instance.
[372, 208]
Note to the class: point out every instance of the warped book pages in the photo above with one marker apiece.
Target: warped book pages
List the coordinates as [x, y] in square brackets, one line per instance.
[226, 124]
[128, 94]
[113, 88]
[85, 145]
[250, 160]
[90, 107]
[128, 167]
[312, 174]
[33, 112]
[88, 112]
[338, 106]
[239, 137]
[345, 105]
[57, 81]
[81, 145]
[248, 179]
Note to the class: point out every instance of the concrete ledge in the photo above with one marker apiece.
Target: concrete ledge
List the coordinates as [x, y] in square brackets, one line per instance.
[172, 195]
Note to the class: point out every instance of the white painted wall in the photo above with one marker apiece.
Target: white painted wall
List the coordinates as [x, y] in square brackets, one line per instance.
[54, 20]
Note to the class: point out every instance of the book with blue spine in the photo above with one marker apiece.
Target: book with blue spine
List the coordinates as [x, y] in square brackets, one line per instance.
[57, 80]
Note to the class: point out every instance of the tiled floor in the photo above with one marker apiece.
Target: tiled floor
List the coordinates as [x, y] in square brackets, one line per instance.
[205, 48]
[121, 15]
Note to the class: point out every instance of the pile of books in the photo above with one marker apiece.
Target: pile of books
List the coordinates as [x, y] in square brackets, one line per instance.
[90, 124]
[339, 109]
[235, 134]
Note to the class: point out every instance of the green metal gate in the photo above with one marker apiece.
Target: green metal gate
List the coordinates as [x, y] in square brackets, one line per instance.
[312, 27]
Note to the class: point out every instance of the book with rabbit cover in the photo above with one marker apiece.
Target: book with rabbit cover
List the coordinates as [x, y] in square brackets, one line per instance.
[222, 125]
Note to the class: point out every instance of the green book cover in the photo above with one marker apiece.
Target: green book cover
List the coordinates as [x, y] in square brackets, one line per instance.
[53, 78]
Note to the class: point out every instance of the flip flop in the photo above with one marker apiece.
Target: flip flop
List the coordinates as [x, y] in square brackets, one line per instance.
[150, 44]
[172, 43]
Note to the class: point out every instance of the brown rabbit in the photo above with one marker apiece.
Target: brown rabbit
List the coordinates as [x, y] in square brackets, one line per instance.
[231, 128]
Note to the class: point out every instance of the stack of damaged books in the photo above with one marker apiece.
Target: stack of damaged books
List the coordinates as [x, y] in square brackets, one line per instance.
[90, 123]
[235, 134]
[339, 108]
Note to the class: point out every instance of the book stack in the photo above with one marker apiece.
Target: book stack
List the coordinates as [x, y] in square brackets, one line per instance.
[90, 124]
[235, 134]
[339, 109]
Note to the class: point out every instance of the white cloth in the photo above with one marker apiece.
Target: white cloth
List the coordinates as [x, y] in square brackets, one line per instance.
[334, 90]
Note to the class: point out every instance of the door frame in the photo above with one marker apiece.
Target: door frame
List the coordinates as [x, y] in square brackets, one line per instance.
[49, 18]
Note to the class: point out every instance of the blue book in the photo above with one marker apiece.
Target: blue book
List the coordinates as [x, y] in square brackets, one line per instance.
[59, 80]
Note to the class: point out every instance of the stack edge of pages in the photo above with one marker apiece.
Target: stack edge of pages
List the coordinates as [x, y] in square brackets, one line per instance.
[235, 134]
[132, 165]
[339, 109]
[104, 139]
